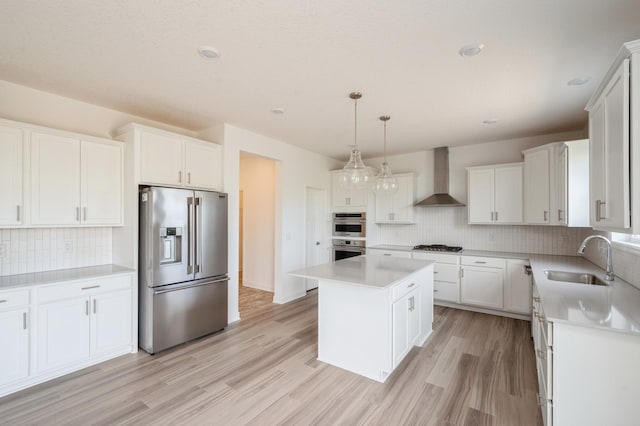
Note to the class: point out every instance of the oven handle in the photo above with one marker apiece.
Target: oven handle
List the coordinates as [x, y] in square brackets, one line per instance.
[350, 249]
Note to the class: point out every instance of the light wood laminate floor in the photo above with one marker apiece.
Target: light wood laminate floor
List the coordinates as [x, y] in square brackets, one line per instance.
[475, 369]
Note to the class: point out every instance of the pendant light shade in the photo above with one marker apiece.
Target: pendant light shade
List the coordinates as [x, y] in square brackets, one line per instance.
[385, 181]
[355, 174]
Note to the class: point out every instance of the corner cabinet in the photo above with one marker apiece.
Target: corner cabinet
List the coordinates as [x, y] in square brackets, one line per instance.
[397, 207]
[495, 194]
[615, 145]
[170, 159]
[346, 199]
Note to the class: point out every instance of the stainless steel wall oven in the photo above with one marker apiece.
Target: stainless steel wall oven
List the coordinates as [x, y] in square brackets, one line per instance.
[343, 249]
[350, 224]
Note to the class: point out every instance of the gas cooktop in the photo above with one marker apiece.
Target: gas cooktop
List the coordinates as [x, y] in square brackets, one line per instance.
[437, 247]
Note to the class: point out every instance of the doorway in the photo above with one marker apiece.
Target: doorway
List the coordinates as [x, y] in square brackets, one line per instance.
[256, 233]
[315, 239]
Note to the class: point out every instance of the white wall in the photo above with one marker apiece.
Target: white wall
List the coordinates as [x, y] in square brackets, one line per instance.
[448, 225]
[295, 170]
[33, 106]
[257, 182]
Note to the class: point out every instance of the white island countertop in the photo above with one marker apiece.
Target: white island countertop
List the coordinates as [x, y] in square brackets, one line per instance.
[366, 271]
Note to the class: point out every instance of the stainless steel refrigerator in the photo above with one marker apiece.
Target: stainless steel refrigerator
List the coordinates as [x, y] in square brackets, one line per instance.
[182, 266]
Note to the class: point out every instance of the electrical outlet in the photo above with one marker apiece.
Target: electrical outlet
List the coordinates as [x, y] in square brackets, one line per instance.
[4, 250]
[68, 246]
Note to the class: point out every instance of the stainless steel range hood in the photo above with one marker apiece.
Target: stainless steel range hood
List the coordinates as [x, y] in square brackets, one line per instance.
[441, 198]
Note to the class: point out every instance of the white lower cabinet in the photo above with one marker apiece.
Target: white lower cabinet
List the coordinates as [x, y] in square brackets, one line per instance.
[446, 275]
[482, 281]
[79, 323]
[406, 324]
[586, 375]
[93, 318]
[15, 329]
[389, 253]
[517, 286]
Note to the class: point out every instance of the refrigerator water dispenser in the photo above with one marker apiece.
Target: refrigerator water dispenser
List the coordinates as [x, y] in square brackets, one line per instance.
[170, 245]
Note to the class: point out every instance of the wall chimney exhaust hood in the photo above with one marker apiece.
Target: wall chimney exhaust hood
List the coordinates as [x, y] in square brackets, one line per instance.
[441, 198]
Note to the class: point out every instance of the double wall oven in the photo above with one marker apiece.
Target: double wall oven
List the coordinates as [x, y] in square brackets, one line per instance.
[349, 231]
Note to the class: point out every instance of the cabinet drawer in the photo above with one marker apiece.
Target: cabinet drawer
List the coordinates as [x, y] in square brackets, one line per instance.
[13, 299]
[404, 287]
[446, 272]
[83, 288]
[390, 253]
[437, 257]
[446, 291]
[490, 262]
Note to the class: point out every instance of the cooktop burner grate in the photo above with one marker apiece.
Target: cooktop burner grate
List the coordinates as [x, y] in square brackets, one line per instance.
[437, 247]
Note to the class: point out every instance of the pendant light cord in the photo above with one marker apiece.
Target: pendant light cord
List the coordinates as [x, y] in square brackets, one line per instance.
[355, 127]
[385, 141]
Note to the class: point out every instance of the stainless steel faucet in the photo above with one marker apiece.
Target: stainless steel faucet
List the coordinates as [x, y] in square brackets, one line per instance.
[608, 273]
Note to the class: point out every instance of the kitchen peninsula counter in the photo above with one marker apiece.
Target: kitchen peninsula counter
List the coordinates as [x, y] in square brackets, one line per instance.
[372, 311]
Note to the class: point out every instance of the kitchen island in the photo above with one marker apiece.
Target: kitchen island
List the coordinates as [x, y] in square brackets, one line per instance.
[372, 311]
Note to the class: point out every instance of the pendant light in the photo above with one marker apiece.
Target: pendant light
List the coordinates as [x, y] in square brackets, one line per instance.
[385, 181]
[355, 174]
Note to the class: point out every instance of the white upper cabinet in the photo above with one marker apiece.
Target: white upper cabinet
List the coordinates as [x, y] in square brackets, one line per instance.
[556, 183]
[615, 145]
[203, 164]
[537, 190]
[75, 182]
[160, 159]
[101, 183]
[346, 199]
[55, 179]
[397, 207]
[170, 159]
[495, 194]
[11, 164]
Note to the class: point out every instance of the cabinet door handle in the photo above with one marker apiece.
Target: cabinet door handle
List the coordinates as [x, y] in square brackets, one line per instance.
[411, 285]
[546, 215]
[90, 287]
[189, 177]
[461, 272]
[18, 212]
[86, 307]
[599, 215]
[94, 306]
[3, 300]
[435, 290]
[84, 213]
[559, 215]
[387, 254]
[179, 177]
[24, 320]
[477, 261]
[77, 214]
[435, 272]
[496, 216]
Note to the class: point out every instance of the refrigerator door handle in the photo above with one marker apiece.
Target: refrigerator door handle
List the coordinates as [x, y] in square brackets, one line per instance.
[196, 255]
[189, 233]
[190, 286]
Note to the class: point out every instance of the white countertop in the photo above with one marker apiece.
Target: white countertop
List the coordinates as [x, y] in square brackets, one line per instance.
[464, 252]
[50, 277]
[615, 307]
[368, 271]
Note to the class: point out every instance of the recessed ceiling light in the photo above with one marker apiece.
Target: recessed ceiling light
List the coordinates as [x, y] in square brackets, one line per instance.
[490, 121]
[579, 81]
[208, 52]
[470, 49]
[277, 110]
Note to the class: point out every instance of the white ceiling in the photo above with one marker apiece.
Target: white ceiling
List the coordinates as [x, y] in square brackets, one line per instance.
[306, 56]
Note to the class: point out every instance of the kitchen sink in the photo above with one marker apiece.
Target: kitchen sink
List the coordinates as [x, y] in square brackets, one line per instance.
[574, 277]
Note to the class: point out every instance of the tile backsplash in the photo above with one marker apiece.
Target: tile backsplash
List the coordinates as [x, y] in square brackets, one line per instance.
[448, 225]
[44, 249]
